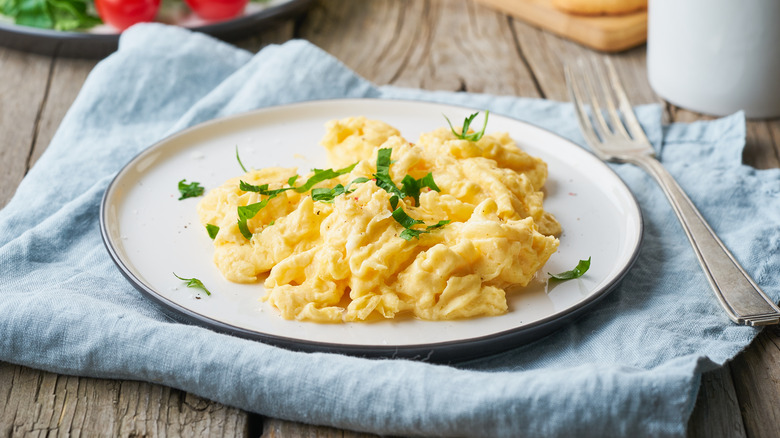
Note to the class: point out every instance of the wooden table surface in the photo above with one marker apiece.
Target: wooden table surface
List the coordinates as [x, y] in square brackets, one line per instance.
[454, 45]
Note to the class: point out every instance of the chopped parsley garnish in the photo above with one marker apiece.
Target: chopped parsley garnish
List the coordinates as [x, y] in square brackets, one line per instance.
[194, 282]
[191, 190]
[581, 268]
[249, 211]
[323, 175]
[239, 161]
[212, 230]
[329, 195]
[464, 134]
[408, 222]
[382, 175]
[409, 186]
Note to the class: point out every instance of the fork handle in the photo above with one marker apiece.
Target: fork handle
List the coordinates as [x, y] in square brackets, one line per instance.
[740, 296]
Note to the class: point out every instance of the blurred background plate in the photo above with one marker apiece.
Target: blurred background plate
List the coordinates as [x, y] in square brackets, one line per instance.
[100, 41]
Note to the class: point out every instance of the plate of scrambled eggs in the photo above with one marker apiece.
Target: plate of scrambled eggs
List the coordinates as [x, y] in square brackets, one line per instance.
[371, 227]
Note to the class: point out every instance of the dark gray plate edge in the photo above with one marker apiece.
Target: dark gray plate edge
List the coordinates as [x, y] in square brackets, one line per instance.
[442, 352]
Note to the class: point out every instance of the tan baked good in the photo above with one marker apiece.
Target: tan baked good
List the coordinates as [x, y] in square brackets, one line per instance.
[599, 7]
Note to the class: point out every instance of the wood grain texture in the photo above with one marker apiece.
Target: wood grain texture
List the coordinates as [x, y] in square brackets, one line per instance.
[546, 55]
[23, 91]
[756, 377]
[717, 409]
[275, 428]
[605, 33]
[39, 403]
[67, 77]
[434, 45]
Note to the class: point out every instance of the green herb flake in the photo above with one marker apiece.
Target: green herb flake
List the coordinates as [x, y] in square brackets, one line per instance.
[408, 222]
[329, 195]
[261, 189]
[194, 282]
[581, 268]
[382, 175]
[212, 230]
[248, 212]
[191, 190]
[238, 158]
[464, 134]
[323, 175]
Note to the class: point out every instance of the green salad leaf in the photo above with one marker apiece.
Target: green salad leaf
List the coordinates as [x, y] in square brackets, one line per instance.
[50, 14]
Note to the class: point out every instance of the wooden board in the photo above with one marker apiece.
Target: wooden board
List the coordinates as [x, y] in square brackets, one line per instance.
[605, 33]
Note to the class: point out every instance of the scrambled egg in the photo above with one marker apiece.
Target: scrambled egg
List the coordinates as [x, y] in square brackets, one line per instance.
[346, 259]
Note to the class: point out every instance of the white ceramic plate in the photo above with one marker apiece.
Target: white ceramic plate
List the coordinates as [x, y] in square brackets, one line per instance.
[150, 234]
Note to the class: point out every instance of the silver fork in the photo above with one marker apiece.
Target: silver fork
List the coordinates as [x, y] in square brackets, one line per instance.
[623, 140]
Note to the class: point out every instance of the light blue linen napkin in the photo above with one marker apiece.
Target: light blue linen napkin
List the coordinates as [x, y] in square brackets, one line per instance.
[629, 367]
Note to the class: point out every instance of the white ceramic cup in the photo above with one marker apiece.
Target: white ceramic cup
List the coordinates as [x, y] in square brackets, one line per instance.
[716, 56]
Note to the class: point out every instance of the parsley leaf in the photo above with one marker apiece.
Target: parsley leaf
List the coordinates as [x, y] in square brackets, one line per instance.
[329, 195]
[249, 211]
[382, 174]
[239, 161]
[323, 175]
[409, 186]
[212, 230]
[191, 190]
[581, 268]
[408, 222]
[412, 187]
[464, 135]
[261, 189]
[194, 282]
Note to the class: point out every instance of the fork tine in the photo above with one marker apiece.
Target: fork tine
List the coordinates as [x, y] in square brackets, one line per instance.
[634, 127]
[617, 123]
[595, 108]
[586, 127]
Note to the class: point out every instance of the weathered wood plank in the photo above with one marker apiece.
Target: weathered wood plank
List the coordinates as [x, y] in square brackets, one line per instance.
[274, 428]
[717, 408]
[39, 403]
[67, 77]
[22, 93]
[431, 44]
[757, 381]
[546, 54]
[762, 148]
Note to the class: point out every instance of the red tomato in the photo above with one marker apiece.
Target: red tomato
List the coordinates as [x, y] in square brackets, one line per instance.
[217, 9]
[124, 13]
